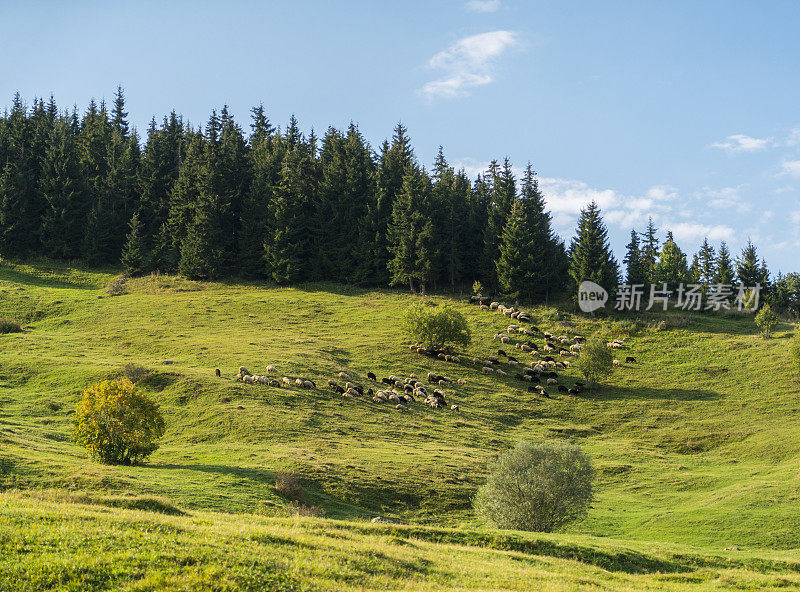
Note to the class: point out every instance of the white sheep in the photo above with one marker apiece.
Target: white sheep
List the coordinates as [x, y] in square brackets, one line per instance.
[272, 370]
[287, 381]
[552, 381]
[344, 376]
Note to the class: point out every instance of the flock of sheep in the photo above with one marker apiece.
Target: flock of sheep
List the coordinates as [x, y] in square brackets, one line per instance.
[539, 373]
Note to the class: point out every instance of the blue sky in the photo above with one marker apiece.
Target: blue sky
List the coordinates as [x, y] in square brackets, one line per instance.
[686, 111]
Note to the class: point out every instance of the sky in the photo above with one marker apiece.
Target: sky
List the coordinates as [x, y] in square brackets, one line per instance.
[685, 111]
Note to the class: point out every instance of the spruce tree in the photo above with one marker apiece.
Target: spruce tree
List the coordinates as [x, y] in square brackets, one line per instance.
[649, 250]
[748, 269]
[636, 272]
[724, 273]
[708, 263]
[135, 256]
[590, 255]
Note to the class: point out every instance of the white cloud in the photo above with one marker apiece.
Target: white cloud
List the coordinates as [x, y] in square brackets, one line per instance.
[467, 63]
[724, 198]
[791, 168]
[795, 216]
[483, 5]
[694, 231]
[742, 143]
[794, 137]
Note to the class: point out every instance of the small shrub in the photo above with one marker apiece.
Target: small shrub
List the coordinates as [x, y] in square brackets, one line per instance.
[8, 326]
[596, 360]
[288, 486]
[477, 288]
[117, 287]
[766, 320]
[135, 373]
[537, 487]
[437, 326]
[116, 423]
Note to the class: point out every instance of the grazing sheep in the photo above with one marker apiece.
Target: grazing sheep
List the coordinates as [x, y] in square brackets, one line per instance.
[218, 373]
[630, 360]
[352, 392]
[400, 407]
[500, 352]
[239, 376]
[243, 371]
[616, 363]
[492, 359]
[505, 339]
[414, 376]
[387, 381]
[526, 348]
[344, 376]
[347, 396]
[494, 305]
[248, 379]
[552, 381]
[462, 381]
[487, 370]
[272, 370]
[309, 384]
[377, 399]
[500, 372]
[332, 383]
[298, 382]
[454, 407]
[287, 381]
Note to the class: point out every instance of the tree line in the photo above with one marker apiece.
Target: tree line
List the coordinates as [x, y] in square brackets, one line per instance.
[215, 201]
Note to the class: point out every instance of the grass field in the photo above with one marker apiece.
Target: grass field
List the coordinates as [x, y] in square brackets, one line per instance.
[696, 446]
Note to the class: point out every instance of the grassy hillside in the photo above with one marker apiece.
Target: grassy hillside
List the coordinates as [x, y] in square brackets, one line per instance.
[696, 444]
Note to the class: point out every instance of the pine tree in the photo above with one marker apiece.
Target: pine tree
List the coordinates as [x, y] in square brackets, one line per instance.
[62, 188]
[501, 188]
[649, 250]
[671, 268]
[590, 255]
[636, 272]
[135, 256]
[724, 272]
[708, 264]
[748, 270]
[411, 232]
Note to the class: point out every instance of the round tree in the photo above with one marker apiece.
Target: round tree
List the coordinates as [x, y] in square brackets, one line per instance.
[595, 361]
[537, 487]
[116, 423]
[766, 320]
[437, 326]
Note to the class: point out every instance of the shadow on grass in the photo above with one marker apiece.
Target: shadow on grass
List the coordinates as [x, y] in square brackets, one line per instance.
[620, 393]
[16, 276]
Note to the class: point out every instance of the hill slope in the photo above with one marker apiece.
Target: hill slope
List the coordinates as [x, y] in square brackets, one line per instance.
[697, 443]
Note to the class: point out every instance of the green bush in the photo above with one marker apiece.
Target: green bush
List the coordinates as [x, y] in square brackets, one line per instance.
[116, 423]
[766, 320]
[477, 288]
[7, 326]
[537, 487]
[436, 327]
[596, 360]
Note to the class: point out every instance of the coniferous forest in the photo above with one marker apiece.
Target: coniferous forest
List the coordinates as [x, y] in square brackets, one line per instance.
[278, 204]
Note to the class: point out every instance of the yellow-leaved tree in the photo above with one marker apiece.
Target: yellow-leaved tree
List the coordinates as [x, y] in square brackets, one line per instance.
[116, 423]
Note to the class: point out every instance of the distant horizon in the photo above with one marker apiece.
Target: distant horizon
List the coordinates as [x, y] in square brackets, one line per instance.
[687, 113]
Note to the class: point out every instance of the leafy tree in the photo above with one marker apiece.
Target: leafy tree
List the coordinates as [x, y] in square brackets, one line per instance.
[766, 320]
[590, 255]
[671, 267]
[537, 487]
[595, 361]
[436, 326]
[116, 423]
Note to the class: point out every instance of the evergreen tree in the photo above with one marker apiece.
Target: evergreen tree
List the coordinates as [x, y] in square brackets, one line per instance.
[636, 272]
[135, 256]
[411, 232]
[724, 272]
[649, 250]
[501, 189]
[671, 268]
[590, 255]
[62, 188]
[748, 270]
[708, 264]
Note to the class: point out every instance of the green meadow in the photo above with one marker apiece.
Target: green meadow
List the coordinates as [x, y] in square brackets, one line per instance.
[696, 446]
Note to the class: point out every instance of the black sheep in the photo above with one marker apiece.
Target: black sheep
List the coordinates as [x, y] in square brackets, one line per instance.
[630, 359]
[339, 389]
[512, 359]
[371, 376]
[532, 389]
[500, 352]
[388, 381]
[218, 373]
[562, 388]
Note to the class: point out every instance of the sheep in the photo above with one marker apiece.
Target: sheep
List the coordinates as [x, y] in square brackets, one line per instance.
[500, 372]
[484, 307]
[532, 389]
[239, 376]
[344, 376]
[272, 370]
[454, 407]
[630, 360]
[462, 381]
[494, 305]
[243, 371]
[377, 399]
[298, 382]
[347, 396]
[248, 379]
[309, 384]
[505, 339]
[287, 381]
[487, 370]
[562, 388]
[414, 376]
[387, 381]
[352, 392]
[501, 352]
[526, 348]
[218, 373]
[616, 363]
[552, 381]
[332, 383]
[492, 359]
